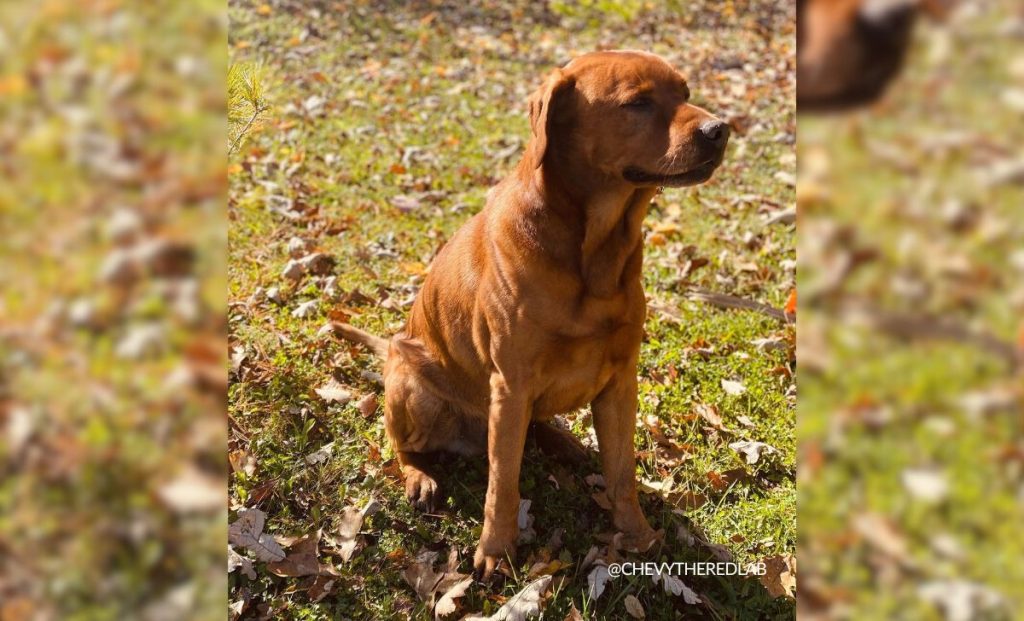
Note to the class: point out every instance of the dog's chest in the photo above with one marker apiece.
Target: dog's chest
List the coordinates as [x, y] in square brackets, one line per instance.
[576, 371]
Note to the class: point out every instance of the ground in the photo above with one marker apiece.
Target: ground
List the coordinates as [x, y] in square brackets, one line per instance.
[910, 453]
[387, 124]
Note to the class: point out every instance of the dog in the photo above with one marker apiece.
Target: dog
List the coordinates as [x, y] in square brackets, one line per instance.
[849, 51]
[535, 306]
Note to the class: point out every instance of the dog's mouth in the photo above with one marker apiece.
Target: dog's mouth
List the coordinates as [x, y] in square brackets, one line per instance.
[692, 176]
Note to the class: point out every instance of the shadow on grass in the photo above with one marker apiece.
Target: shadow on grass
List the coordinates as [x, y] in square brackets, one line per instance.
[563, 508]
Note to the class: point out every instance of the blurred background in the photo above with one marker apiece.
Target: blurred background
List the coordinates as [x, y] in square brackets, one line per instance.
[113, 295]
[911, 282]
[112, 310]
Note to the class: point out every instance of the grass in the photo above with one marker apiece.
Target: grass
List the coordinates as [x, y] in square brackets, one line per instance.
[381, 101]
[854, 467]
[99, 119]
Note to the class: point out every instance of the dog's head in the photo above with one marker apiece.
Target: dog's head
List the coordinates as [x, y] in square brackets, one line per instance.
[848, 51]
[626, 116]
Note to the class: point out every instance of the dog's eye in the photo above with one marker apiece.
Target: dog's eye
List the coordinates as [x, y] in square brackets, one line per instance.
[639, 103]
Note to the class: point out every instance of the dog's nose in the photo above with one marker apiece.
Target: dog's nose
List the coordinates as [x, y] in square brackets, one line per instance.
[715, 131]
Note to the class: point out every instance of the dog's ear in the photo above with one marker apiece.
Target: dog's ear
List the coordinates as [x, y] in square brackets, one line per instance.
[543, 100]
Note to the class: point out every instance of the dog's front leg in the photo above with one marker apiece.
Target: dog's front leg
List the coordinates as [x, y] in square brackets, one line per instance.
[614, 421]
[508, 420]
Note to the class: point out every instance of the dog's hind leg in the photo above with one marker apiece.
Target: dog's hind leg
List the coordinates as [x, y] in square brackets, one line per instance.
[420, 425]
[409, 416]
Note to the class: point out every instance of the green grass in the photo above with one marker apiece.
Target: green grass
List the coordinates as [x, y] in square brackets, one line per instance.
[99, 116]
[921, 386]
[418, 102]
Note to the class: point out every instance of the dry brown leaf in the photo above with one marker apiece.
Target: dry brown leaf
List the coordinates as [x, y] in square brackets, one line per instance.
[710, 414]
[350, 523]
[420, 575]
[334, 392]
[524, 605]
[733, 388]
[320, 455]
[597, 579]
[780, 576]
[237, 561]
[302, 558]
[675, 586]
[545, 568]
[446, 605]
[247, 532]
[368, 405]
[242, 461]
[752, 450]
[633, 607]
[320, 587]
[192, 491]
[880, 533]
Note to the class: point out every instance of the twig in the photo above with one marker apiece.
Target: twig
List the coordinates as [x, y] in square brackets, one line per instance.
[234, 145]
[723, 300]
[911, 326]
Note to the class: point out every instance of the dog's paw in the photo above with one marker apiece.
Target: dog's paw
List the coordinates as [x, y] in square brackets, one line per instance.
[422, 491]
[491, 553]
[641, 540]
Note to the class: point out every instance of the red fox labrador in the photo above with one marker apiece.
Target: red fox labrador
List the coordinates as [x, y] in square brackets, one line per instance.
[535, 306]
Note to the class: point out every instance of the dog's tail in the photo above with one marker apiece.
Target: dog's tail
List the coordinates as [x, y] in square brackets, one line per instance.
[376, 344]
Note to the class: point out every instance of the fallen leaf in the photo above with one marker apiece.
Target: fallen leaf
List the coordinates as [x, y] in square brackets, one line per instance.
[446, 605]
[601, 498]
[320, 588]
[710, 414]
[420, 575]
[302, 558]
[237, 561]
[597, 579]
[367, 405]
[790, 307]
[247, 532]
[242, 461]
[293, 270]
[318, 263]
[349, 524]
[752, 450]
[320, 455]
[686, 501]
[525, 522]
[925, 484]
[305, 309]
[297, 247]
[523, 605]
[192, 491]
[333, 392]
[633, 607]
[961, 600]
[675, 586]
[406, 204]
[880, 533]
[780, 576]
[542, 568]
[733, 388]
